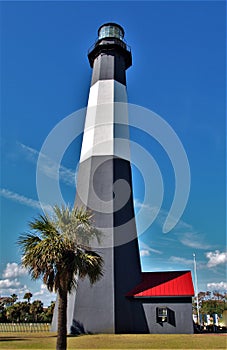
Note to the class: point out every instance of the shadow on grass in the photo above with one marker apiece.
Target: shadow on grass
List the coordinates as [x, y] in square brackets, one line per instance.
[11, 339]
[24, 338]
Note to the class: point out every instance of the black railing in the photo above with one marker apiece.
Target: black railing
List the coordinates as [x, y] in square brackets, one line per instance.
[109, 41]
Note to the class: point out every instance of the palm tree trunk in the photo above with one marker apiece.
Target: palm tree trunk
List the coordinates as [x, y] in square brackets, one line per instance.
[62, 321]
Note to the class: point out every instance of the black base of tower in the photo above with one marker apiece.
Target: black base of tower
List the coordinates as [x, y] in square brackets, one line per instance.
[104, 307]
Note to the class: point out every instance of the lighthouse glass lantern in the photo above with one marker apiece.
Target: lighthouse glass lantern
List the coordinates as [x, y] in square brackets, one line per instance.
[111, 30]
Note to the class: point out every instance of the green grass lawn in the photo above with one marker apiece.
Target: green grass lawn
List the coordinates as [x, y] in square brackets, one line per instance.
[24, 341]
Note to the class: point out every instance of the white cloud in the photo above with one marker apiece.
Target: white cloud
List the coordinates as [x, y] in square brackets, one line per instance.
[7, 283]
[45, 295]
[50, 167]
[8, 287]
[162, 215]
[144, 252]
[187, 262]
[193, 240]
[140, 205]
[22, 199]
[217, 286]
[43, 290]
[145, 249]
[184, 232]
[13, 270]
[18, 289]
[31, 153]
[180, 226]
[11, 284]
[181, 260]
[216, 258]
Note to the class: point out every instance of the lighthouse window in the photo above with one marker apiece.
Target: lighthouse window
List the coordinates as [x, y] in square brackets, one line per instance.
[111, 32]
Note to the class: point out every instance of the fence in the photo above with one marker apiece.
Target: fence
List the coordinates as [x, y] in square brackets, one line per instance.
[25, 327]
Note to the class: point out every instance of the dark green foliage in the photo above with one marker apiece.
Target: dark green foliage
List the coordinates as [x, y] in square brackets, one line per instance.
[212, 302]
[25, 312]
[28, 296]
[212, 307]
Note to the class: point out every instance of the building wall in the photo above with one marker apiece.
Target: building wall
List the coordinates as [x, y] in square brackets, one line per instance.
[180, 315]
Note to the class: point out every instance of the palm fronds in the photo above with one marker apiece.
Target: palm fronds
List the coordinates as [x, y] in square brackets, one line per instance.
[57, 248]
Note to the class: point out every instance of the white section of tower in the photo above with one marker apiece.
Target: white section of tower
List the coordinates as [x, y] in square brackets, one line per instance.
[106, 118]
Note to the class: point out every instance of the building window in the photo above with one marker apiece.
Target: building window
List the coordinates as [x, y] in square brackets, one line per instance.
[110, 31]
[162, 314]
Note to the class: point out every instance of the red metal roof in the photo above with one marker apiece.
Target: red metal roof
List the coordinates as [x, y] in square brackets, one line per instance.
[163, 284]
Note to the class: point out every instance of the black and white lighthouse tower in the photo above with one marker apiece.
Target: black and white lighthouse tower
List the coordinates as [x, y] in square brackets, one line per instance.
[104, 185]
[125, 300]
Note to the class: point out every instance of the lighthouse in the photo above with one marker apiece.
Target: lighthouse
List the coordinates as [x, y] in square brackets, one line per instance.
[125, 300]
[104, 185]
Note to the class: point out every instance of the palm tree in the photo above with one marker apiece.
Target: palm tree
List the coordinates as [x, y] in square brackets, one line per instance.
[57, 249]
[14, 297]
[28, 296]
[13, 312]
[36, 308]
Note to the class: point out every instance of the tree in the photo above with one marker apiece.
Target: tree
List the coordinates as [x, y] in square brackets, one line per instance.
[24, 311]
[212, 306]
[47, 313]
[36, 308]
[13, 312]
[18, 312]
[4, 301]
[28, 296]
[14, 297]
[57, 249]
[219, 296]
[212, 302]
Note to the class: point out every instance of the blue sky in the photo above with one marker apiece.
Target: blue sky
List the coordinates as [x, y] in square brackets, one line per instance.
[178, 72]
